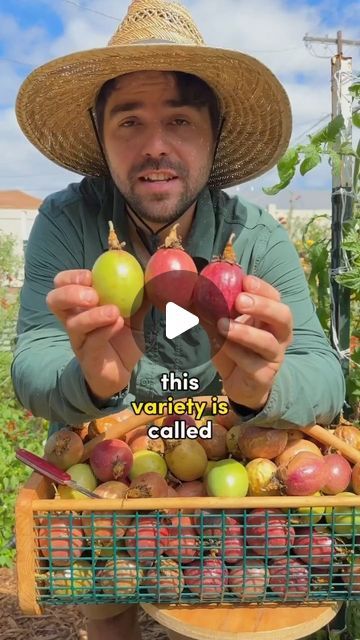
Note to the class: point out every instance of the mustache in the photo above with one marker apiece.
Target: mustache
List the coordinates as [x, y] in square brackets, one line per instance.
[151, 164]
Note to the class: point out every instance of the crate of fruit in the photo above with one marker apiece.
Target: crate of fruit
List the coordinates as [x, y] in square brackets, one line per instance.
[251, 515]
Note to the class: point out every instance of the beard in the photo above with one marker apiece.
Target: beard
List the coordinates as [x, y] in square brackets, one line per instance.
[162, 208]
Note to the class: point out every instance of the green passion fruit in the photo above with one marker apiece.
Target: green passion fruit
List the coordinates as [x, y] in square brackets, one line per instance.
[227, 479]
[76, 580]
[118, 277]
[344, 521]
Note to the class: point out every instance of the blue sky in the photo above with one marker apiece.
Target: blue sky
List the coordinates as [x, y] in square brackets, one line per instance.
[35, 31]
[33, 13]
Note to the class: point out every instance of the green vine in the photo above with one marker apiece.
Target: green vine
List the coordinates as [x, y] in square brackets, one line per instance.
[315, 250]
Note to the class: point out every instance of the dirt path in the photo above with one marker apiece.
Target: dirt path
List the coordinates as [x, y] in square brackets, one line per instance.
[57, 623]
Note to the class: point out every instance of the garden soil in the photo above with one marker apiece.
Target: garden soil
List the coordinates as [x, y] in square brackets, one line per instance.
[57, 623]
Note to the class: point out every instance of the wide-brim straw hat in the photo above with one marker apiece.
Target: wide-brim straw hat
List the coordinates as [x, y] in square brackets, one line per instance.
[53, 102]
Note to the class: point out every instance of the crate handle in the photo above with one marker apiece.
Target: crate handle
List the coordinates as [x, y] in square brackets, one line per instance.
[326, 437]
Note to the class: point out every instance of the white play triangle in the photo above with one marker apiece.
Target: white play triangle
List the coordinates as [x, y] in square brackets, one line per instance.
[178, 320]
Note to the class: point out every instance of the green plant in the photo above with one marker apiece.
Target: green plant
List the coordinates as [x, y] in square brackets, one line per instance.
[322, 144]
[351, 279]
[10, 262]
[18, 428]
[314, 251]
[314, 247]
[10, 266]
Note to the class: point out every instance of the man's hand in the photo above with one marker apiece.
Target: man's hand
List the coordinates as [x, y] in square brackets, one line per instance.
[255, 344]
[100, 338]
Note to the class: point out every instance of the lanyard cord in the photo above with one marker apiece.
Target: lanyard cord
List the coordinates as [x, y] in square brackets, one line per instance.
[150, 240]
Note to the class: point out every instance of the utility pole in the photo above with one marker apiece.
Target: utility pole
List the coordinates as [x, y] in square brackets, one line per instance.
[342, 194]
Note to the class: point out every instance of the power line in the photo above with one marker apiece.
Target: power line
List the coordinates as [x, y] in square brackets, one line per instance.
[316, 55]
[26, 64]
[273, 50]
[328, 115]
[339, 41]
[99, 13]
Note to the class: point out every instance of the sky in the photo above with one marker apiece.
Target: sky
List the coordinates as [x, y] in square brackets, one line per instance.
[33, 32]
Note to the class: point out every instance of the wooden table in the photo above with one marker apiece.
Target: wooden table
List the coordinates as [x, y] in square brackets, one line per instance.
[247, 622]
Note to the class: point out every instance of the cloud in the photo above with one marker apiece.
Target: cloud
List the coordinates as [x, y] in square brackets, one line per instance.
[10, 82]
[26, 45]
[270, 30]
[24, 168]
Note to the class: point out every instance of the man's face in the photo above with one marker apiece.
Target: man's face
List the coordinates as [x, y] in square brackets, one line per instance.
[160, 152]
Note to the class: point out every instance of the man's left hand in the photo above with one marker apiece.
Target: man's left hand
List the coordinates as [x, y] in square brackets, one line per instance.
[255, 344]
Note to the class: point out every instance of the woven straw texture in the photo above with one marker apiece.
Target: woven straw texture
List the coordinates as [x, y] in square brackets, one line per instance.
[54, 101]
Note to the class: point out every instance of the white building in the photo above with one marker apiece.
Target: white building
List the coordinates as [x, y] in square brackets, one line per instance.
[294, 209]
[18, 211]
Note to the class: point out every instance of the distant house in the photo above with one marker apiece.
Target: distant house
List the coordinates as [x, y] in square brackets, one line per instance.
[18, 211]
[301, 205]
[293, 209]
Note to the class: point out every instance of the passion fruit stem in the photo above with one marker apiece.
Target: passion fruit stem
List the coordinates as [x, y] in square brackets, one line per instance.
[229, 254]
[56, 491]
[140, 491]
[118, 469]
[113, 241]
[173, 241]
[62, 442]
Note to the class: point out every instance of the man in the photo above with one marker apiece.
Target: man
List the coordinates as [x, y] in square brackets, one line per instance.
[158, 147]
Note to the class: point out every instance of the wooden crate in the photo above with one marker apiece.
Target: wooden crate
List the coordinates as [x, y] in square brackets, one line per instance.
[36, 497]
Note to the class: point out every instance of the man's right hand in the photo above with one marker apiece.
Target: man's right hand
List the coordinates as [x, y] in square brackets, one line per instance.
[101, 339]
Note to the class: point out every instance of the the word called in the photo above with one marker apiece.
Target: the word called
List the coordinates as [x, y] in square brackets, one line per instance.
[179, 431]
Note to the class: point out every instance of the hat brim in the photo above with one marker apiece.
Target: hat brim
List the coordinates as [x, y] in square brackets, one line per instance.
[53, 105]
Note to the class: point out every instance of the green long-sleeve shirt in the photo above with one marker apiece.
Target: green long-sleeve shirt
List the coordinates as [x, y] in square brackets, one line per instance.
[71, 231]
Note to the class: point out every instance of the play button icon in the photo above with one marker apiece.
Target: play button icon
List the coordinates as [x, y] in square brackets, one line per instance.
[181, 330]
[178, 320]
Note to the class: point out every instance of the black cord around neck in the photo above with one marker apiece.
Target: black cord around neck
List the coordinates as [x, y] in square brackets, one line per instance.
[150, 239]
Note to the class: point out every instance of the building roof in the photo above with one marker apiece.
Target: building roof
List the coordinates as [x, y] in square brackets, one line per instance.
[311, 199]
[18, 200]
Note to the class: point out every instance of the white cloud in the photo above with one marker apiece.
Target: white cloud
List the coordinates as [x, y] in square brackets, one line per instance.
[10, 82]
[24, 168]
[270, 30]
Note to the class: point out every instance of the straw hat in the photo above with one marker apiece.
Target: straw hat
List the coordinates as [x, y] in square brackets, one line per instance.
[53, 102]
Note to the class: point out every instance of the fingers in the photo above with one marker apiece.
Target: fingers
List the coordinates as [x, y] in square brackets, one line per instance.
[105, 373]
[74, 302]
[71, 299]
[248, 373]
[73, 276]
[252, 284]
[263, 343]
[276, 315]
[80, 326]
